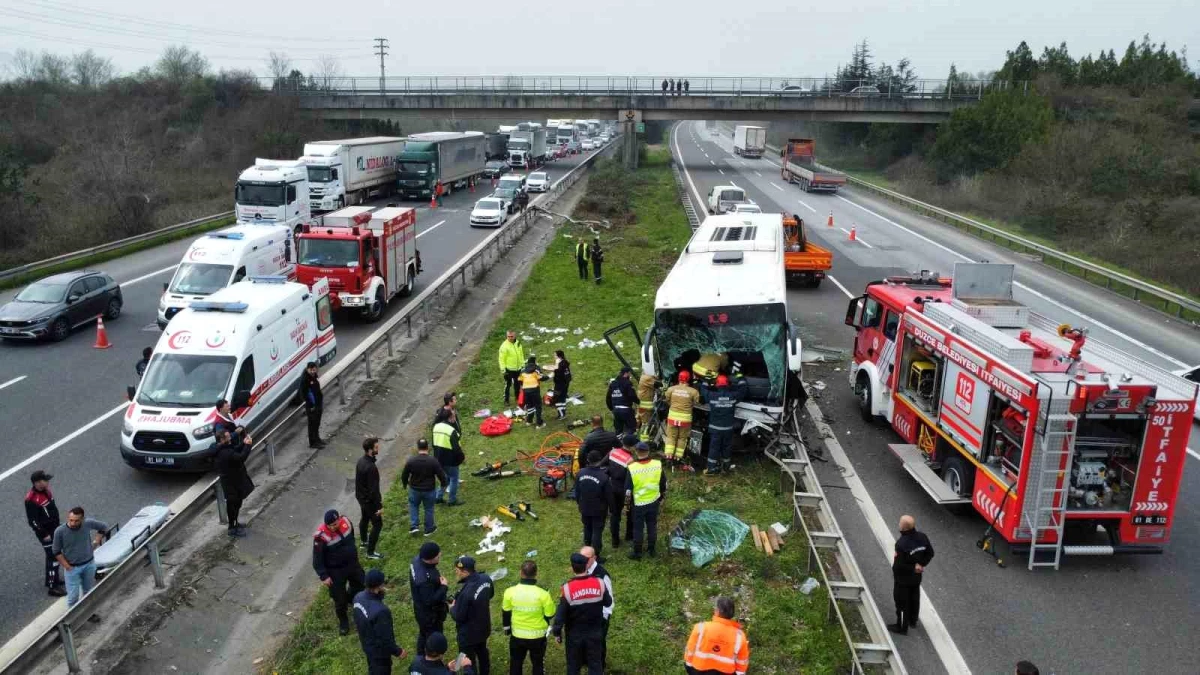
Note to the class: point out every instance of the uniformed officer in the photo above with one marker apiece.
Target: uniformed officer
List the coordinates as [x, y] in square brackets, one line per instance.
[581, 258]
[42, 514]
[527, 610]
[681, 399]
[428, 589]
[581, 608]
[646, 487]
[913, 554]
[722, 403]
[617, 464]
[531, 391]
[472, 613]
[597, 255]
[373, 620]
[335, 560]
[596, 569]
[621, 401]
[593, 494]
[647, 384]
[431, 662]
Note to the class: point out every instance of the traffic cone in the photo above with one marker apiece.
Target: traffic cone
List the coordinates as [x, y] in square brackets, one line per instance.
[830, 221]
[101, 335]
[433, 202]
[472, 184]
[853, 233]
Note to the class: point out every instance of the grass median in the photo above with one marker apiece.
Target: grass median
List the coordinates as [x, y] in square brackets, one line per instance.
[657, 600]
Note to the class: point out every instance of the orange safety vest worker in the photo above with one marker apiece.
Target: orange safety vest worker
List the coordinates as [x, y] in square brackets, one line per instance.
[680, 400]
[717, 647]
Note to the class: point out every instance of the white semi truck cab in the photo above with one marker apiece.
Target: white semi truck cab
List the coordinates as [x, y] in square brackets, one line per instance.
[273, 192]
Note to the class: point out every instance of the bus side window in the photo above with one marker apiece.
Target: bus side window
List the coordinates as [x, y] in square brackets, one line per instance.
[890, 324]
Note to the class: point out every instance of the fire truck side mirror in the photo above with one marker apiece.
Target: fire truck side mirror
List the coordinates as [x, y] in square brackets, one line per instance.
[854, 312]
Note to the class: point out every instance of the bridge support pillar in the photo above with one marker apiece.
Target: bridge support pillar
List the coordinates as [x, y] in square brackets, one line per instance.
[630, 140]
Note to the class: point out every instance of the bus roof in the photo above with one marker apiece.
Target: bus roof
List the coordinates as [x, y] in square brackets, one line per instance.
[730, 260]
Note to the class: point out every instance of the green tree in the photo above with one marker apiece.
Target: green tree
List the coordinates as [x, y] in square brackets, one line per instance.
[1058, 62]
[1019, 65]
[986, 136]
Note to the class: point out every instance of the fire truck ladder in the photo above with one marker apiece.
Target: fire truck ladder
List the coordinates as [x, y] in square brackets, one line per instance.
[1048, 514]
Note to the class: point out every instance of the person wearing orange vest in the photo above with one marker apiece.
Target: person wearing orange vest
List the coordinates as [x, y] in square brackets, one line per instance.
[681, 399]
[335, 560]
[718, 647]
[439, 190]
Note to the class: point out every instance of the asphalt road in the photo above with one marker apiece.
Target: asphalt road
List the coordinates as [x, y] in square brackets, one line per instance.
[1097, 615]
[64, 415]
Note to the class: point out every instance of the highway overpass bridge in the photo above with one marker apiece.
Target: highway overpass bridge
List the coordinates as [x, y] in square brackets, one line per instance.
[635, 99]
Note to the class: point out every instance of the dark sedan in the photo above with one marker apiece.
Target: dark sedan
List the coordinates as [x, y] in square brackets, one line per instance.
[52, 307]
[495, 168]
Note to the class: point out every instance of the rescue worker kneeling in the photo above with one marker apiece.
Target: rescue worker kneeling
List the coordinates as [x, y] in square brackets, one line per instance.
[718, 647]
[722, 403]
[681, 399]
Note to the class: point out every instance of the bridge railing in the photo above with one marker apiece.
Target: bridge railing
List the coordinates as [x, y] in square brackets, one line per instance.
[587, 85]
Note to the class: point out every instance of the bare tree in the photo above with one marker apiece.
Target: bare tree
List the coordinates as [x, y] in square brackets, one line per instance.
[54, 69]
[279, 64]
[179, 64]
[89, 70]
[25, 65]
[326, 70]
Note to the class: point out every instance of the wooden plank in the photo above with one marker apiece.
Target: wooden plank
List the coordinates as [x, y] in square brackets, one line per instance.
[766, 544]
[757, 542]
[772, 537]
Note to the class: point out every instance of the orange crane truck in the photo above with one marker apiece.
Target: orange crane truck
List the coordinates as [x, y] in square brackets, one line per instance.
[804, 261]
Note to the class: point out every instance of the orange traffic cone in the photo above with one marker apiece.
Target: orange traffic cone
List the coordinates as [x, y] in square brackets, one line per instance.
[853, 233]
[101, 335]
[433, 202]
[830, 221]
[472, 184]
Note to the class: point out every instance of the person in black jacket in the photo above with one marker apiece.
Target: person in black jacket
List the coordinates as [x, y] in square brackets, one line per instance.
[913, 554]
[593, 494]
[140, 366]
[616, 463]
[471, 611]
[226, 420]
[450, 410]
[722, 403]
[428, 590]
[230, 463]
[431, 662]
[622, 400]
[421, 475]
[597, 255]
[314, 403]
[562, 381]
[335, 560]
[581, 610]
[373, 620]
[370, 500]
[42, 514]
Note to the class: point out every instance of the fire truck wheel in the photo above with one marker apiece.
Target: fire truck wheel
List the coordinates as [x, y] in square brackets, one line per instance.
[408, 285]
[862, 391]
[957, 476]
[375, 313]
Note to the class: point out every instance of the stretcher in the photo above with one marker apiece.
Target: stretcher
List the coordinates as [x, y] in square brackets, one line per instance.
[122, 540]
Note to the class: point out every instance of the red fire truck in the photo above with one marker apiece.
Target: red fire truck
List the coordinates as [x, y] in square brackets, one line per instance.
[1066, 446]
[368, 256]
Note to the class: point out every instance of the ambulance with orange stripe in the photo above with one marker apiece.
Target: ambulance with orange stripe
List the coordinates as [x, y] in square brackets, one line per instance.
[247, 343]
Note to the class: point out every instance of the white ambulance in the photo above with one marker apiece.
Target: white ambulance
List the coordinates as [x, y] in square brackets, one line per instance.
[225, 257]
[248, 344]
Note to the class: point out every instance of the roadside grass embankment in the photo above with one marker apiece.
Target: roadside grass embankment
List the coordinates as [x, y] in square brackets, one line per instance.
[657, 599]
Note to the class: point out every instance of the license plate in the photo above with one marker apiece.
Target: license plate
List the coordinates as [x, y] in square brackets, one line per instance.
[1149, 520]
[9, 331]
[164, 461]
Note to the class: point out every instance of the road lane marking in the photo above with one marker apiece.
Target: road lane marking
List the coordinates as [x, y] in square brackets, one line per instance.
[840, 286]
[721, 171]
[856, 237]
[712, 162]
[13, 381]
[806, 205]
[62, 441]
[147, 276]
[422, 234]
[758, 173]
[1034, 292]
[775, 186]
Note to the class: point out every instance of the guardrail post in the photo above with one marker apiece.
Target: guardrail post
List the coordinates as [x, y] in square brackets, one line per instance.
[156, 564]
[68, 641]
[221, 515]
[341, 389]
[388, 336]
[270, 458]
[367, 363]
[408, 323]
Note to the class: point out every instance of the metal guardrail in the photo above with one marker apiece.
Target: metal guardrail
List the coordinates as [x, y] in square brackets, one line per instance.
[110, 246]
[442, 293]
[684, 198]
[789, 87]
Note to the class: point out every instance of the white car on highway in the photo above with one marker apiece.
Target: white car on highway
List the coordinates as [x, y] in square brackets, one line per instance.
[748, 207]
[588, 144]
[538, 181]
[488, 211]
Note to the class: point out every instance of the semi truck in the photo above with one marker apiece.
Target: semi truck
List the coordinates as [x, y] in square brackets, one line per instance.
[803, 261]
[527, 146]
[273, 192]
[449, 157]
[1065, 445]
[749, 141]
[350, 171]
[368, 257]
[725, 302]
[798, 164]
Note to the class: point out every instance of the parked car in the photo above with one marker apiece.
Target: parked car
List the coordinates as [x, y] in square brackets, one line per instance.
[1192, 375]
[507, 196]
[488, 211]
[52, 307]
[864, 91]
[495, 168]
[538, 181]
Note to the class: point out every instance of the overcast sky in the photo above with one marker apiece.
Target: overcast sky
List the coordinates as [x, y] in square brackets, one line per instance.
[690, 38]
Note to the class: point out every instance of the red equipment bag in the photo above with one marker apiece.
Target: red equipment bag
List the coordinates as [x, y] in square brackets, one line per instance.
[521, 399]
[548, 399]
[496, 425]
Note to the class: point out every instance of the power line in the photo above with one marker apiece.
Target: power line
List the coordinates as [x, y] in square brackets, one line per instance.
[381, 45]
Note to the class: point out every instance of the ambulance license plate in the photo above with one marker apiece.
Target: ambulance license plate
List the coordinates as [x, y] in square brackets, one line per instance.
[162, 461]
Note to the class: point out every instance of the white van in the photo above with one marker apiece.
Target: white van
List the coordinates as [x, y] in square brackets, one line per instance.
[722, 198]
[247, 343]
[221, 258]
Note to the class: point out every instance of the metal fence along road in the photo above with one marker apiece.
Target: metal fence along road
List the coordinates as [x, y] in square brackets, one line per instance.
[583, 85]
[413, 322]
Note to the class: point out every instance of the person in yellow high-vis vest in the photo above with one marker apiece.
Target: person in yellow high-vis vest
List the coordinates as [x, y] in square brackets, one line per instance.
[681, 400]
[647, 384]
[645, 487]
[582, 252]
[531, 391]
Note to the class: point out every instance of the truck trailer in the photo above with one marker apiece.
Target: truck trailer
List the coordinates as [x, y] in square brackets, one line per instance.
[798, 164]
[350, 171]
[749, 141]
[1064, 445]
[453, 158]
[527, 146]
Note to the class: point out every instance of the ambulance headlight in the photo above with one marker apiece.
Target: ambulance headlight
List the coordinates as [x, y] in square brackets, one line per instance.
[127, 429]
[200, 433]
